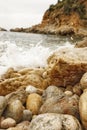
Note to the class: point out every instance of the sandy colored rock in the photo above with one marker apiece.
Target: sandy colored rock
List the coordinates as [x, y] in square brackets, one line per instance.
[68, 93]
[3, 104]
[20, 94]
[83, 82]
[62, 105]
[52, 91]
[31, 89]
[27, 115]
[66, 66]
[32, 77]
[77, 89]
[52, 121]
[21, 126]
[33, 103]
[83, 108]
[7, 123]
[14, 110]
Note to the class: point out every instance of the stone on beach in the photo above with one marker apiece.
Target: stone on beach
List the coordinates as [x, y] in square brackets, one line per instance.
[21, 126]
[14, 110]
[62, 105]
[83, 81]
[52, 121]
[33, 103]
[7, 123]
[66, 66]
[3, 104]
[52, 91]
[20, 94]
[83, 108]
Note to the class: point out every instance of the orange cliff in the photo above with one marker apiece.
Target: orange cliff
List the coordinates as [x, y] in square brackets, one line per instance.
[66, 17]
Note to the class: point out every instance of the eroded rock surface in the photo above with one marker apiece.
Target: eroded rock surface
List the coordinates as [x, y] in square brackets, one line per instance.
[51, 121]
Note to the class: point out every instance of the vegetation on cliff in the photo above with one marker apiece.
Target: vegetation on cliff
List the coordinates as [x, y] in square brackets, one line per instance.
[65, 17]
[70, 6]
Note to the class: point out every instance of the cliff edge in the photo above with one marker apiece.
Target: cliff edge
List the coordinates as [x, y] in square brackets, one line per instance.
[66, 17]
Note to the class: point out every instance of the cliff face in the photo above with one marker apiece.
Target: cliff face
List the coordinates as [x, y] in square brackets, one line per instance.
[66, 17]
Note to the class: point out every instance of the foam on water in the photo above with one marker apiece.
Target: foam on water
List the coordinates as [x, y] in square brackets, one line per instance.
[14, 56]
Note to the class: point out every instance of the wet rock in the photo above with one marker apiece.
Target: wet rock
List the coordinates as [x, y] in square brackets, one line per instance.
[66, 66]
[52, 121]
[33, 103]
[83, 82]
[52, 91]
[20, 94]
[14, 110]
[83, 108]
[63, 105]
[3, 104]
[7, 123]
[27, 115]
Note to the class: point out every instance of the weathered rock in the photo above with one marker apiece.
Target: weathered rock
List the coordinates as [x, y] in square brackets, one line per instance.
[68, 93]
[83, 81]
[52, 121]
[66, 66]
[77, 89]
[3, 104]
[27, 115]
[33, 103]
[20, 94]
[83, 108]
[11, 73]
[31, 89]
[61, 105]
[21, 126]
[52, 91]
[69, 88]
[7, 123]
[14, 110]
[32, 77]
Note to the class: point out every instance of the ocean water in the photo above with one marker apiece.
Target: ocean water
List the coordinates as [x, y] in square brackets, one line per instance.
[20, 50]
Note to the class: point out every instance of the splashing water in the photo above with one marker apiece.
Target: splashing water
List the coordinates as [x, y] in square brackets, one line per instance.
[36, 55]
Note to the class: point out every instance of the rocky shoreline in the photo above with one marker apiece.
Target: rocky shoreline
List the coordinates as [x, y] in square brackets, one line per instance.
[2, 29]
[67, 17]
[50, 98]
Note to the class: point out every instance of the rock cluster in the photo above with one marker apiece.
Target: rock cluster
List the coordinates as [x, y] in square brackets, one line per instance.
[50, 98]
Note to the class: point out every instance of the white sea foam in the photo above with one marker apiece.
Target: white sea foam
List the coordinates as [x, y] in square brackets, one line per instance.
[14, 56]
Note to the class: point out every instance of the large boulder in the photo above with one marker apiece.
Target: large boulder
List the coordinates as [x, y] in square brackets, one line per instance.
[66, 66]
[52, 121]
